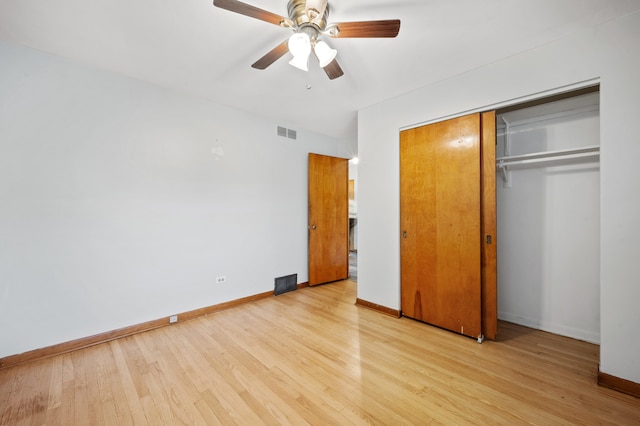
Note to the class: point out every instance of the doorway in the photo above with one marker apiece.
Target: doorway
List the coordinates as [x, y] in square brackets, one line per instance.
[353, 219]
[548, 205]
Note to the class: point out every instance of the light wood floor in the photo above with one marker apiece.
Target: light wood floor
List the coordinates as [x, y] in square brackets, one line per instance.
[313, 357]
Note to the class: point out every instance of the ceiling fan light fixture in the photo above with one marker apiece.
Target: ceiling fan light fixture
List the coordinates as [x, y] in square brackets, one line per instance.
[325, 54]
[309, 20]
[300, 62]
[300, 44]
[300, 48]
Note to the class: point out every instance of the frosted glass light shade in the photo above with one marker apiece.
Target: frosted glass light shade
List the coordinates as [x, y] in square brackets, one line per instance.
[300, 62]
[300, 44]
[324, 53]
[300, 48]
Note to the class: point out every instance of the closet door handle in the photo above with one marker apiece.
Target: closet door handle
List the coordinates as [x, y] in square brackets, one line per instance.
[404, 235]
[489, 239]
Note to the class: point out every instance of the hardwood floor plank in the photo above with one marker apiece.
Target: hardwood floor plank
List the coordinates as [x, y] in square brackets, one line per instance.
[208, 414]
[126, 390]
[171, 391]
[255, 379]
[66, 410]
[135, 364]
[309, 399]
[108, 379]
[220, 411]
[223, 384]
[79, 389]
[313, 357]
[39, 395]
[10, 387]
[227, 337]
[157, 405]
[317, 347]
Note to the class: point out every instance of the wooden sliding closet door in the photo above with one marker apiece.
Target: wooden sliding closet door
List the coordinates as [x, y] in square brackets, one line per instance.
[441, 224]
[488, 223]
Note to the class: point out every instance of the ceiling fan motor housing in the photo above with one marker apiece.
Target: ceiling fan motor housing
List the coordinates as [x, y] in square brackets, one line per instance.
[302, 17]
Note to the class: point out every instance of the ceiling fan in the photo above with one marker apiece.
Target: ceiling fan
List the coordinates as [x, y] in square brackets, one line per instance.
[308, 19]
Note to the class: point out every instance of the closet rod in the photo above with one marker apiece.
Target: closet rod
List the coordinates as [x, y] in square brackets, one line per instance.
[548, 156]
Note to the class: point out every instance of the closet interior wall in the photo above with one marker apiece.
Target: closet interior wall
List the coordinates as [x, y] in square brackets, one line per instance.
[549, 219]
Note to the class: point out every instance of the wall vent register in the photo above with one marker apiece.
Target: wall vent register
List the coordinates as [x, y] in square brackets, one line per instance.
[287, 133]
[285, 284]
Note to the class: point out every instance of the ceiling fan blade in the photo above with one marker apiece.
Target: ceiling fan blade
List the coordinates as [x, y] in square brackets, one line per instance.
[248, 10]
[386, 28]
[273, 55]
[333, 70]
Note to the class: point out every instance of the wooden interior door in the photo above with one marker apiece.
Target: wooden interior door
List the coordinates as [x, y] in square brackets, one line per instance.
[328, 219]
[441, 209]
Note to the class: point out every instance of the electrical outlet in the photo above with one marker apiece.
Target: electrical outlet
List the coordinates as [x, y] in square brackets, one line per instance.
[221, 280]
[173, 318]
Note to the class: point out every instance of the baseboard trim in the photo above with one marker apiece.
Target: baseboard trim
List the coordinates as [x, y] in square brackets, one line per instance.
[619, 384]
[551, 327]
[379, 308]
[85, 342]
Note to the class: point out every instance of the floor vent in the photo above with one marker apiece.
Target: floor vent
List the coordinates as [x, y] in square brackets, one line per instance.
[285, 284]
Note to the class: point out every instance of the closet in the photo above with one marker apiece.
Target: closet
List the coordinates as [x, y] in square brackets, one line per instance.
[548, 216]
[510, 196]
[447, 221]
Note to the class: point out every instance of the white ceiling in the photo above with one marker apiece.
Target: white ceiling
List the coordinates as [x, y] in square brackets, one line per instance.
[192, 46]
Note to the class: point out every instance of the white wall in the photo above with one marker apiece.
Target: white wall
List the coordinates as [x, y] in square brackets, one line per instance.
[121, 202]
[549, 223]
[609, 53]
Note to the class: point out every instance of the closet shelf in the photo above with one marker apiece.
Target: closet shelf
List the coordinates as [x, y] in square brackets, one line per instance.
[547, 158]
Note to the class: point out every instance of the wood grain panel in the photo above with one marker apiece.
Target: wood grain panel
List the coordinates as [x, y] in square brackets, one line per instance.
[272, 56]
[440, 224]
[333, 70]
[328, 219]
[383, 28]
[488, 224]
[248, 10]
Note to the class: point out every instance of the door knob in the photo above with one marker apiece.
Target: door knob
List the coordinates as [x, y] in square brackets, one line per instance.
[313, 227]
